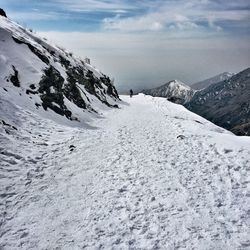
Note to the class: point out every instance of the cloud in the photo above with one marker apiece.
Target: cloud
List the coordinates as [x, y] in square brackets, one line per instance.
[148, 22]
[157, 21]
[139, 15]
[213, 25]
[95, 5]
[33, 15]
[180, 15]
[145, 43]
[142, 60]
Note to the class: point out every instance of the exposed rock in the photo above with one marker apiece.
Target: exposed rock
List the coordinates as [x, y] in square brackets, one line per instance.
[14, 78]
[53, 100]
[243, 129]
[2, 13]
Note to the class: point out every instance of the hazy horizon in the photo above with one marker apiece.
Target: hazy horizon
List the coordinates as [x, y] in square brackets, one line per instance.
[144, 44]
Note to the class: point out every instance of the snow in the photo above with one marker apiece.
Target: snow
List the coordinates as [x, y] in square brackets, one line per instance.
[179, 84]
[150, 175]
[31, 68]
[174, 88]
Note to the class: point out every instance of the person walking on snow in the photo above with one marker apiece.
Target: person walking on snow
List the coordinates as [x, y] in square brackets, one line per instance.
[131, 93]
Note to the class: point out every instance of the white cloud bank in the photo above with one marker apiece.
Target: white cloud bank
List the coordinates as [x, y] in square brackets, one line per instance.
[180, 15]
[144, 60]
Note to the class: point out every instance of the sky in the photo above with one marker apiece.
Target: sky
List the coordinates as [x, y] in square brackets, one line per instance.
[143, 43]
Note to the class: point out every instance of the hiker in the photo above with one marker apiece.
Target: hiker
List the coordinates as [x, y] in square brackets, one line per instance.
[131, 92]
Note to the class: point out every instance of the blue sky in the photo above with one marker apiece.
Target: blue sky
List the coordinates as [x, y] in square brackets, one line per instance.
[145, 43]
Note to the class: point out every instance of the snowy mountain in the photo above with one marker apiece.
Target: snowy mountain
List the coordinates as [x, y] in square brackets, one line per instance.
[151, 175]
[226, 103]
[175, 91]
[206, 83]
[48, 80]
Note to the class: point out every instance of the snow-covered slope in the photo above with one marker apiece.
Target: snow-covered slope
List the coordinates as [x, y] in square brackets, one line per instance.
[175, 91]
[152, 175]
[218, 78]
[39, 76]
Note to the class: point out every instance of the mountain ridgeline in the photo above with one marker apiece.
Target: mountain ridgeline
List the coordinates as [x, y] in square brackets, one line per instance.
[42, 76]
[206, 83]
[174, 91]
[225, 103]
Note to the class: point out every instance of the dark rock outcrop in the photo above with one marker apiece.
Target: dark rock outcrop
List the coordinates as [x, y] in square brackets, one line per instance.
[51, 92]
[2, 13]
[14, 78]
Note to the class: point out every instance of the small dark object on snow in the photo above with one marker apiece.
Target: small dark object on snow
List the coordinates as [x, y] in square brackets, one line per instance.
[226, 151]
[71, 146]
[2, 13]
[7, 124]
[131, 92]
[198, 121]
[4, 123]
[38, 105]
[32, 86]
[123, 189]
[14, 127]
[181, 137]
[14, 78]
[153, 199]
[28, 91]
[220, 204]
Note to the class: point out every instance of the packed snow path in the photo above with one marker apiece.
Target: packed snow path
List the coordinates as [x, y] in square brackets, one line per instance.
[150, 175]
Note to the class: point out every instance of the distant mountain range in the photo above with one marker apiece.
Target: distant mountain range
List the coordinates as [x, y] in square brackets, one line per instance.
[175, 91]
[206, 83]
[41, 77]
[225, 103]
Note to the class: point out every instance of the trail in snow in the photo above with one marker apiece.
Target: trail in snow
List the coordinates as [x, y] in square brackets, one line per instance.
[149, 176]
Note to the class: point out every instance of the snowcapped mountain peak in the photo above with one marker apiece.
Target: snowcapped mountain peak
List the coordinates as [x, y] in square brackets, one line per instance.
[174, 90]
[47, 79]
[228, 74]
[178, 84]
[174, 81]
